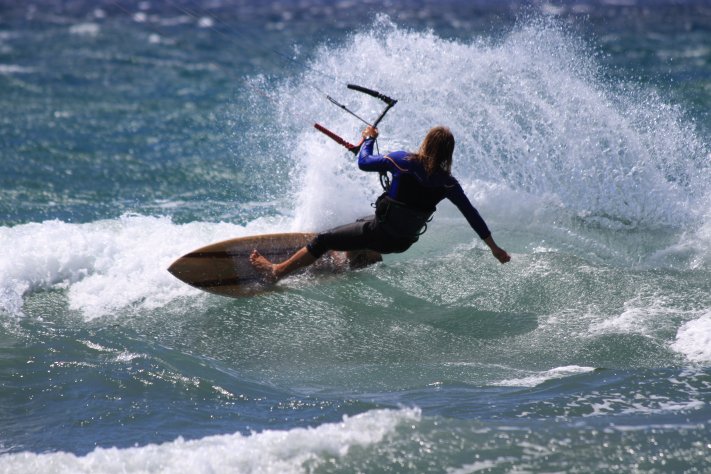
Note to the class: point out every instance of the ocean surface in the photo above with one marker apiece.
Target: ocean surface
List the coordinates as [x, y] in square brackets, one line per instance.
[134, 132]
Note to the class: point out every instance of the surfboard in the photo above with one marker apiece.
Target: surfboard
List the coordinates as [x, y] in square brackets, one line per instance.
[223, 268]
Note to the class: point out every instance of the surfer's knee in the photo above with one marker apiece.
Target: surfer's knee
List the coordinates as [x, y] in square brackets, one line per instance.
[317, 247]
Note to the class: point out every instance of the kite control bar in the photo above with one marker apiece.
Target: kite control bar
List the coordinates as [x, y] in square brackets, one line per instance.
[351, 147]
[336, 138]
[391, 102]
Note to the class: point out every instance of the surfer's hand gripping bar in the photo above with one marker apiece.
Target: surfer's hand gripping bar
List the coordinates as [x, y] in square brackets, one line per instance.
[351, 147]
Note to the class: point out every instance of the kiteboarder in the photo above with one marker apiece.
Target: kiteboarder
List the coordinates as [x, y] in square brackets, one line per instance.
[419, 182]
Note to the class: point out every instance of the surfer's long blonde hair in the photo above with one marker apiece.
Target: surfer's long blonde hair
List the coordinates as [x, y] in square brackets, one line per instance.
[436, 150]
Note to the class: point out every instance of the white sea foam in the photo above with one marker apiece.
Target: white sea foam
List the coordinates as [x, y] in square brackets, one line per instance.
[85, 29]
[643, 316]
[278, 452]
[693, 339]
[624, 404]
[8, 69]
[541, 377]
[107, 265]
[206, 22]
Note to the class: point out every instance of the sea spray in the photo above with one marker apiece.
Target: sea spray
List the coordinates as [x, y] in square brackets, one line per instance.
[532, 112]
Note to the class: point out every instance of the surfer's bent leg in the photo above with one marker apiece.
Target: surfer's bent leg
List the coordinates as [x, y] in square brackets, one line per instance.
[347, 237]
[353, 236]
[360, 235]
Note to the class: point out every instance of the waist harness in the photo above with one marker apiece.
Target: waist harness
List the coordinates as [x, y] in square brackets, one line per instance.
[399, 220]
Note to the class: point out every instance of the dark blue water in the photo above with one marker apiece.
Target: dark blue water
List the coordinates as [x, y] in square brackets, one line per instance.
[134, 132]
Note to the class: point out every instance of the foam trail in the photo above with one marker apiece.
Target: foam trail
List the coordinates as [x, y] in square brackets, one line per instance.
[266, 452]
[107, 265]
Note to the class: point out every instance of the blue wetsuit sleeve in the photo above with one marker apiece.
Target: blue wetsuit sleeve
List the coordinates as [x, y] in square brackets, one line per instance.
[369, 162]
[455, 193]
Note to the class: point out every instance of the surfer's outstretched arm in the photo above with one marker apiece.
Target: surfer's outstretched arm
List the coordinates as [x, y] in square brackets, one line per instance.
[457, 196]
[274, 272]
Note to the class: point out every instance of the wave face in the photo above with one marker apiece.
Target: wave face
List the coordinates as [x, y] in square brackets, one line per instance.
[590, 343]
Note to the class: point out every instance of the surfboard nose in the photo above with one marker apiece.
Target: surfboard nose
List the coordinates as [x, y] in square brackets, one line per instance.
[178, 269]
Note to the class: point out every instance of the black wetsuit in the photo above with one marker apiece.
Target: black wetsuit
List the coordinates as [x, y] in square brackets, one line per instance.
[402, 211]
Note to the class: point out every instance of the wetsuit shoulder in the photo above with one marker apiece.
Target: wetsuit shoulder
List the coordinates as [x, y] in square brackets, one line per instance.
[367, 161]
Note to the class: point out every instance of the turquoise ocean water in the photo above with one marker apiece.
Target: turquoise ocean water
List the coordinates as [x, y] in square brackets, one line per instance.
[134, 132]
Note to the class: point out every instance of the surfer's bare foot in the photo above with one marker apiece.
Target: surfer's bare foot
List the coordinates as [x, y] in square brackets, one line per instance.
[263, 266]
